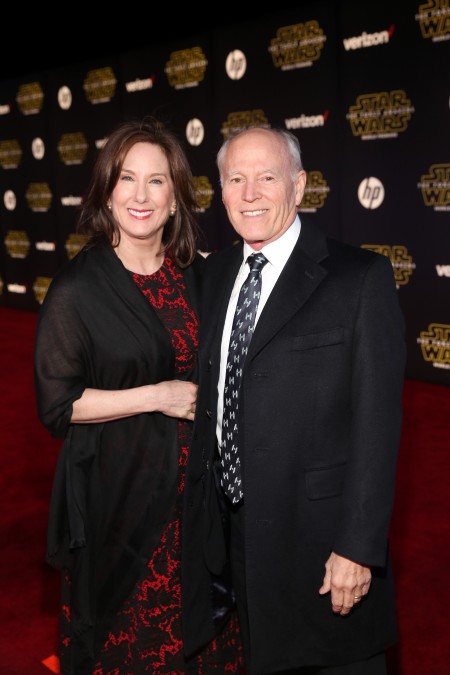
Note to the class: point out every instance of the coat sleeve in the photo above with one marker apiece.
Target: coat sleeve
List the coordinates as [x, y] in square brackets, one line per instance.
[59, 361]
[378, 363]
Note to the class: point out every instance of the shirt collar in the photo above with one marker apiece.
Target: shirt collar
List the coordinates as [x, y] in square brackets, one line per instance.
[278, 251]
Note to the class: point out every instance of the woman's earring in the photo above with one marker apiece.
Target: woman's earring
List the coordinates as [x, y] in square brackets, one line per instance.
[173, 210]
[109, 204]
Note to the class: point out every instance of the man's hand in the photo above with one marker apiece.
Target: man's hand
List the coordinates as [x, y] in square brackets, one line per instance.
[348, 582]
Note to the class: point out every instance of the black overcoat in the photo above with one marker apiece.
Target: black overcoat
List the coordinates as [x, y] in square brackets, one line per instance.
[115, 482]
[320, 410]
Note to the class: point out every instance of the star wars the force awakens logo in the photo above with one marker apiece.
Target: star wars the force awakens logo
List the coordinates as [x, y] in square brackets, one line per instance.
[40, 288]
[383, 114]
[297, 46]
[237, 121]
[100, 85]
[435, 187]
[72, 148]
[433, 18]
[30, 98]
[17, 244]
[204, 193]
[316, 192]
[39, 197]
[435, 345]
[10, 154]
[186, 68]
[402, 263]
[74, 244]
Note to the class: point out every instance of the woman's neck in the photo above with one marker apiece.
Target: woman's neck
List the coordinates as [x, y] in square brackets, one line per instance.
[140, 259]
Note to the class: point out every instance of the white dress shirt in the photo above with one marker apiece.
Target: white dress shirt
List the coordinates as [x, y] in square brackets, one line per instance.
[277, 254]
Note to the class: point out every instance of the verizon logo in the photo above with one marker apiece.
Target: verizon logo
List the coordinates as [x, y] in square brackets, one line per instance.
[443, 270]
[368, 39]
[306, 121]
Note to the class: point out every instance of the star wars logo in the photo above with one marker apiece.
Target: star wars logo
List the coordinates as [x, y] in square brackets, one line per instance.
[435, 187]
[186, 68]
[39, 197]
[10, 154]
[17, 244]
[435, 345]
[74, 243]
[402, 263]
[72, 148]
[297, 46]
[382, 114]
[30, 98]
[245, 119]
[204, 193]
[316, 192]
[40, 288]
[100, 85]
[433, 18]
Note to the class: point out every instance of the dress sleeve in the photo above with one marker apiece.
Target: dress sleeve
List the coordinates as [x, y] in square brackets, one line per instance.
[60, 362]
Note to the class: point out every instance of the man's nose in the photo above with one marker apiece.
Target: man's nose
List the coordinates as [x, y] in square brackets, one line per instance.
[251, 191]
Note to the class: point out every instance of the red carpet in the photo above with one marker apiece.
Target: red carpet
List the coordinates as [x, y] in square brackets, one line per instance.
[30, 588]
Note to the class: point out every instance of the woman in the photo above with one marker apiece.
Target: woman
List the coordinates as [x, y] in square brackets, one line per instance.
[115, 361]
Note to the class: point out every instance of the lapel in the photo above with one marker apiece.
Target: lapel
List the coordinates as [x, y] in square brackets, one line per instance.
[221, 273]
[300, 277]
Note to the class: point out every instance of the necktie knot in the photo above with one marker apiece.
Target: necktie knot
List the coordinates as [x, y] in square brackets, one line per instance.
[256, 261]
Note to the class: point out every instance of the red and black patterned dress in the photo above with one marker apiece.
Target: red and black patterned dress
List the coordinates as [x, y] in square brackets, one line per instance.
[146, 636]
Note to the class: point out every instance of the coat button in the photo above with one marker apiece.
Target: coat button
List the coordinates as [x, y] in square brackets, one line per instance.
[208, 413]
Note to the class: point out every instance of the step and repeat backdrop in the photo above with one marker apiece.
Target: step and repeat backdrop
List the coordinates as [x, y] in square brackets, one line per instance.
[365, 87]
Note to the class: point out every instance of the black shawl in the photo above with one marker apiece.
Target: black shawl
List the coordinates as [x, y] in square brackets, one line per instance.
[115, 482]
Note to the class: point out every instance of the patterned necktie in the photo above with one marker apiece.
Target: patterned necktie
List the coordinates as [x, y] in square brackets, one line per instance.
[241, 335]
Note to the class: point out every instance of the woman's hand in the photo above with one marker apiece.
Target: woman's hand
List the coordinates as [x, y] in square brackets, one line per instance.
[177, 398]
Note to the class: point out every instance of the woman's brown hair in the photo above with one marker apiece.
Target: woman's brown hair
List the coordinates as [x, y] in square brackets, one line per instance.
[181, 232]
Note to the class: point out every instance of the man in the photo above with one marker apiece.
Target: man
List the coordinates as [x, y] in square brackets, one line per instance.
[294, 484]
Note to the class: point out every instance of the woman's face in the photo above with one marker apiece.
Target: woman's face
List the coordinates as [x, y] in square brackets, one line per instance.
[144, 194]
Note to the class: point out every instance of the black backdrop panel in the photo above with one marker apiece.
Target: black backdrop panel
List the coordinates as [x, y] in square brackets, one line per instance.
[364, 86]
[394, 137]
[175, 84]
[281, 71]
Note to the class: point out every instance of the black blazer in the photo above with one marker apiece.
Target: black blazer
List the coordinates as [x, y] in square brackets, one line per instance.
[320, 410]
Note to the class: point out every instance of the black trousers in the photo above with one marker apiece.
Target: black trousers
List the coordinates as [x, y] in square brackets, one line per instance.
[375, 665]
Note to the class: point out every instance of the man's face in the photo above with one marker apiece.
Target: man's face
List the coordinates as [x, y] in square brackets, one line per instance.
[259, 192]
